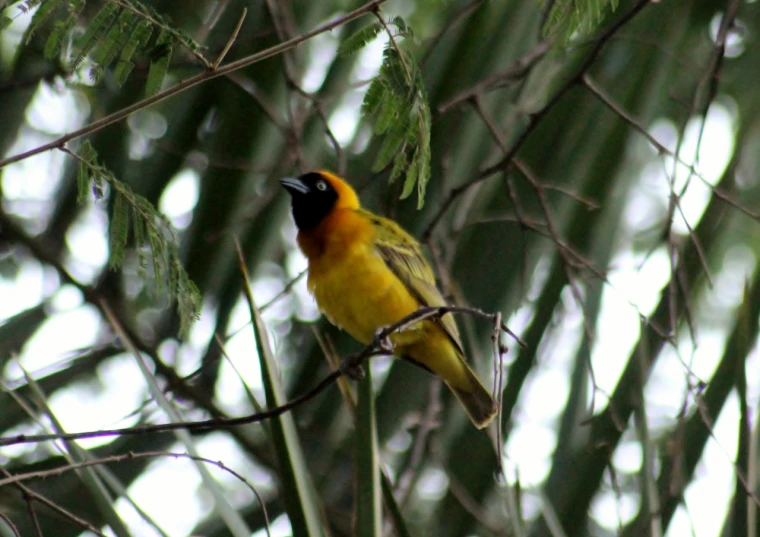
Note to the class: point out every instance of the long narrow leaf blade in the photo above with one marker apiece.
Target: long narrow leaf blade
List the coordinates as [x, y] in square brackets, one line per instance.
[300, 498]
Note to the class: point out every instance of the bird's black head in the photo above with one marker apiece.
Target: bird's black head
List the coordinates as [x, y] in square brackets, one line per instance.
[313, 197]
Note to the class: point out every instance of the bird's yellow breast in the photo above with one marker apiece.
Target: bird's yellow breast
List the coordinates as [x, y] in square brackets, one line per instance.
[351, 283]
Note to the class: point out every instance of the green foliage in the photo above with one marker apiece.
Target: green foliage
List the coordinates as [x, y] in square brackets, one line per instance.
[40, 16]
[154, 238]
[160, 56]
[62, 29]
[96, 31]
[117, 36]
[138, 39]
[115, 40]
[359, 39]
[576, 18]
[397, 101]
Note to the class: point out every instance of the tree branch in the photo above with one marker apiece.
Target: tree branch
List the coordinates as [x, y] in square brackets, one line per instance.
[193, 81]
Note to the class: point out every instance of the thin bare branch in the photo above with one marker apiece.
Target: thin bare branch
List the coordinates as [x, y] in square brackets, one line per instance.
[230, 42]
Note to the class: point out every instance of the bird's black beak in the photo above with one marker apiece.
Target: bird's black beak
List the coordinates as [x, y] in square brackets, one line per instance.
[294, 185]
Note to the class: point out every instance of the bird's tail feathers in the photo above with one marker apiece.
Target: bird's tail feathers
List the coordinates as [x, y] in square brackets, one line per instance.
[477, 401]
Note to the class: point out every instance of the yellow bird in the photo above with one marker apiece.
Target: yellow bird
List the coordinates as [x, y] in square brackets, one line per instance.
[366, 273]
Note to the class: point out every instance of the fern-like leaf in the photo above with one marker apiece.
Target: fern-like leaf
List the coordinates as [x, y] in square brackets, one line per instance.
[119, 231]
[411, 177]
[115, 40]
[397, 103]
[87, 156]
[395, 141]
[62, 29]
[96, 32]
[137, 40]
[359, 39]
[155, 239]
[159, 63]
[39, 17]
[423, 153]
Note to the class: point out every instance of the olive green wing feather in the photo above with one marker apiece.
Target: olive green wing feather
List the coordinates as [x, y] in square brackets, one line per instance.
[403, 256]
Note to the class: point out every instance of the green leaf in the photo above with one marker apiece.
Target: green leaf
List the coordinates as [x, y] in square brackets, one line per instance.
[115, 40]
[368, 505]
[359, 39]
[62, 29]
[423, 153]
[394, 144]
[138, 39]
[412, 174]
[159, 64]
[301, 501]
[373, 99]
[149, 227]
[119, 230]
[96, 32]
[390, 109]
[39, 17]
[84, 175]
[397, 103]
[5, 22]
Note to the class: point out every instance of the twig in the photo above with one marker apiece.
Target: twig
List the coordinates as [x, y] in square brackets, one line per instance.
[607, 100]
[540, 192]
[192, 82]
[379, 17]
[428, 423]
[323, 116]
[6, 519]
[513, 73]
[741, 479]
[498, 383]
[232, 39]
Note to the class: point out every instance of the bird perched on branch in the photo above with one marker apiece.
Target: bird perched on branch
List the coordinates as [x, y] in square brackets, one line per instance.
[367, 273]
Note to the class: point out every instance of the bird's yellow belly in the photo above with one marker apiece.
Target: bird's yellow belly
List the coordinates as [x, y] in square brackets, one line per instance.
[359, 294]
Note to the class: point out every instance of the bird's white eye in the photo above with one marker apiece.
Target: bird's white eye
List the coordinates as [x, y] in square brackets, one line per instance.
[322, 186]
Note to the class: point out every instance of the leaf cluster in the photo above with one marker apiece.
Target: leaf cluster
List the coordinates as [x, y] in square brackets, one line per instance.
[120, 33]
[397, 103]
[153, 235]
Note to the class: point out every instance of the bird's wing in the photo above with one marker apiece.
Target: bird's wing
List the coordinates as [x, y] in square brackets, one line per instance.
[403, 256]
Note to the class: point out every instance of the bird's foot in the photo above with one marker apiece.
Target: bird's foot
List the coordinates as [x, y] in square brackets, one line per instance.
[383, 342]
